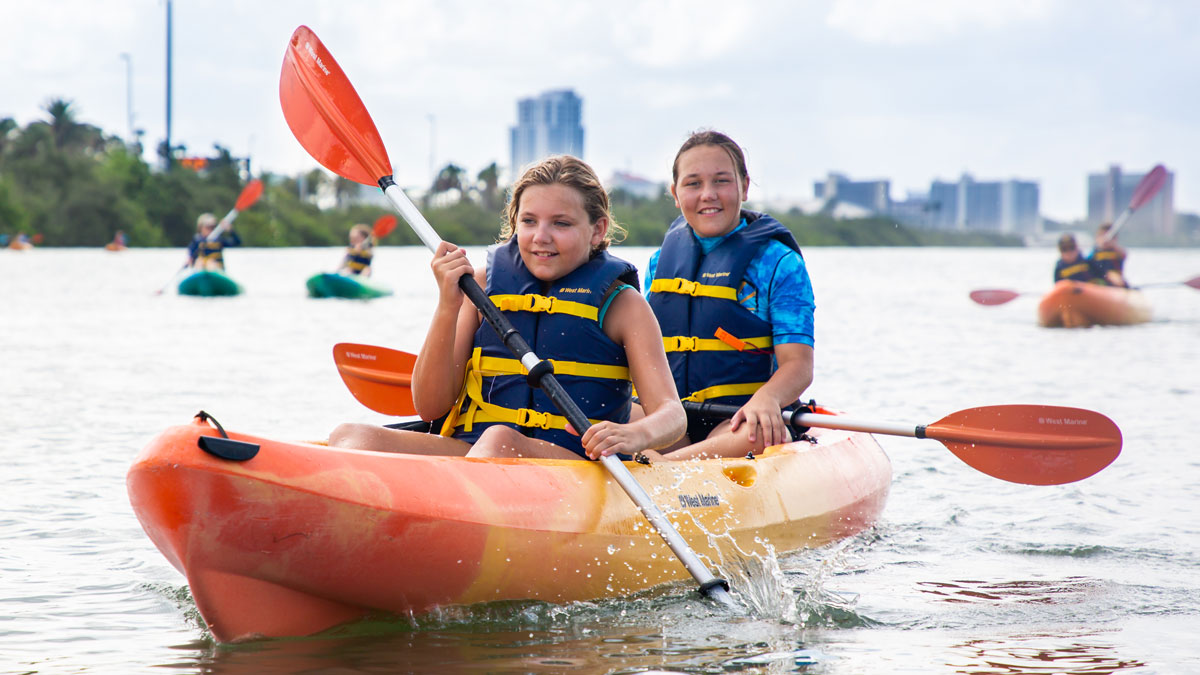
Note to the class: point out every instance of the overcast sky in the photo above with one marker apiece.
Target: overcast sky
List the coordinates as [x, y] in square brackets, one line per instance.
[911, 91]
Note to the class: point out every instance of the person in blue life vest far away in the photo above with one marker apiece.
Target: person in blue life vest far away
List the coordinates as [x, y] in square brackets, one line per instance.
[574, 302]
[360, 252]
[1071, 264]
[206, 252]
[1108, 258]
[731, 292]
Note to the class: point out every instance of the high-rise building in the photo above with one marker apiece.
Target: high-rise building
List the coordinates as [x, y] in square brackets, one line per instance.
[873, 195]
[550, 124]
[1109, 194]
[1008, 207]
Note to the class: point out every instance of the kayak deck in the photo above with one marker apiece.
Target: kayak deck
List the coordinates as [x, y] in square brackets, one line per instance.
[208, 283]
[1074, 304]
[328, 285]
[302, 536]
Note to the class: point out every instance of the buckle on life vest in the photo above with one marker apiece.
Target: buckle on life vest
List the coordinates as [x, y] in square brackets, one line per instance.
[540, 303]
[685, 286]
[533, 418]
[682, 343]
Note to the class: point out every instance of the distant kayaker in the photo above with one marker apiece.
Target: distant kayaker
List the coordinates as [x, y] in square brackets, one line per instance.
[732, 294]
[207, 252]
[118, 242]
[1108, 258]
[575, 303]
[1071, 264]
[359, 254]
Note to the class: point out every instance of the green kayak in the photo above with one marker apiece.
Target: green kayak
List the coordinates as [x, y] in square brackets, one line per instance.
[207, 283]
[343, 286]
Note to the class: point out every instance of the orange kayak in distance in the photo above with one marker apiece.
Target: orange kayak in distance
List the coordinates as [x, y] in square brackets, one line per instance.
[302, 537]
[1075, 304]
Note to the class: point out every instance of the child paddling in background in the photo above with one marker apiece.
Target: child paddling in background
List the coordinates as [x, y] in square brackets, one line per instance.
[360, 252]
[574, 303]
[206, 252]
[1071, 264]
[1108, 258]
[731, 292]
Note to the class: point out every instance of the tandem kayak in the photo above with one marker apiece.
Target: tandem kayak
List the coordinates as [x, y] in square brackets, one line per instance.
[302, 536]
[356, 287]
[208, 283]
[1074, 304]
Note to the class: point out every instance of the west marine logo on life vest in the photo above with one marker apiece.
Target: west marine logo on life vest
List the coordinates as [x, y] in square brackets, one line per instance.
[574, 290]
[698, 500]
[714, 275]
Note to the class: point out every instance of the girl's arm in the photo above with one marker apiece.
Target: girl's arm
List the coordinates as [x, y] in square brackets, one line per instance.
[440, 367]
[786, 385]
[631, 323]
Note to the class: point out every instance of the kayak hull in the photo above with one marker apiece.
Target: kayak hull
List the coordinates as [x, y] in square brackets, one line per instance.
[1074, 304]
[303, 537]
[209, 283]
[329, 285]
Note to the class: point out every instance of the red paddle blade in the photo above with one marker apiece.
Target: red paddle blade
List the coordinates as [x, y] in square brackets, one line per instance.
[1149, 187]
[379, 378]
[1030, 444]
[1194, 282]
[325, 113]
[250, 194]
[384, 226]
[993, 296]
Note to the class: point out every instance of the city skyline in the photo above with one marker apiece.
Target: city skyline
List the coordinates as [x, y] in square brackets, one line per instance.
[1045, 90]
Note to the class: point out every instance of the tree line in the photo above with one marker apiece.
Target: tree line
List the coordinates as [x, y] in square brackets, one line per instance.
[75, 185]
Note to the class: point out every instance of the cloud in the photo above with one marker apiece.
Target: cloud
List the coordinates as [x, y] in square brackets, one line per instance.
[923, 21]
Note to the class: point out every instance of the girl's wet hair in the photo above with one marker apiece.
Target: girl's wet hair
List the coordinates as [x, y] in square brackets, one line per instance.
[573, 173]
[718, 139]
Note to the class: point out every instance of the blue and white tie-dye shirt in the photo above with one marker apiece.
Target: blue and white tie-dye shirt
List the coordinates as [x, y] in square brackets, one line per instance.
[776, 288]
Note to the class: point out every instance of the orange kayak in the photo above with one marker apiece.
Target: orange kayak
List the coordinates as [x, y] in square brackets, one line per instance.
[1074, 304]
[302, 537]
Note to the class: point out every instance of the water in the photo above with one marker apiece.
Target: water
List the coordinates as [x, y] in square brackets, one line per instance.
[964, 574]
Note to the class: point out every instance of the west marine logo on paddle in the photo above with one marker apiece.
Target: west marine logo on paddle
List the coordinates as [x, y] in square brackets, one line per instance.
[313, 53]
[698, 500]
[1065, 421]
[361, 356]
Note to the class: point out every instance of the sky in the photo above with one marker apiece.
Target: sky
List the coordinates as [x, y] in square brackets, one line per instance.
[911, 91]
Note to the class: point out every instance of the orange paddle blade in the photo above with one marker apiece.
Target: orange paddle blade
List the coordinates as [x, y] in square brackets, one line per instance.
[379, 378]
[993, 296]
[325, 113]
[384, 226]
[1030, 444]
[250, 194]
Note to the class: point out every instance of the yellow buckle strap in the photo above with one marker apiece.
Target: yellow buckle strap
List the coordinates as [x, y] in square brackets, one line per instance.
[689, 287]
[683, 343]
[541, 303]
[532, 418]
[722, 390]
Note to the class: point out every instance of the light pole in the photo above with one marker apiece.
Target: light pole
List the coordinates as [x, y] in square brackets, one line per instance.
[129, 94]
[167, 143]
[432, 162]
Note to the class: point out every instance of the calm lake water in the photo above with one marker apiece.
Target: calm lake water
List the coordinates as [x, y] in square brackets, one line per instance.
[964, 573]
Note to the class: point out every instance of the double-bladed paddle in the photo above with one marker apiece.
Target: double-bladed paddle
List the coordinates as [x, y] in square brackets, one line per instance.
[999, 296]
[383, 226]
[1030, 444]
[326, 115]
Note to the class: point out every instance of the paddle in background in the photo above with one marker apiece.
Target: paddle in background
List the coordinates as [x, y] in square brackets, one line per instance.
[245, 200]
[326, 115]
[1028, 444]
[999, 296]
[1149, 186]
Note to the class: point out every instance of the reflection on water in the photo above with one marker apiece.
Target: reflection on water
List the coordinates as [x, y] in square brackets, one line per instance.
[1043, 591]
[1039, 653]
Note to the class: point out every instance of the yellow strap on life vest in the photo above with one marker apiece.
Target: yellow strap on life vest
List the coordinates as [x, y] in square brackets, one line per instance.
[480, 411]
[721, 390]
[689, 287]
[683, 343]
[540, 303]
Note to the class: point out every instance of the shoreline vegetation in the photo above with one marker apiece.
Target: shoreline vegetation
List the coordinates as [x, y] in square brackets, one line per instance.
[67, 183]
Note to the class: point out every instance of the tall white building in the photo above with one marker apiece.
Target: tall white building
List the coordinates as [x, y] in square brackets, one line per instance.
[1109, 193]
[549, 124]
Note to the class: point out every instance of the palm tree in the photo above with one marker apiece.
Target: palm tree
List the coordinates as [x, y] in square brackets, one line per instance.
[7, 125]
[490, 177]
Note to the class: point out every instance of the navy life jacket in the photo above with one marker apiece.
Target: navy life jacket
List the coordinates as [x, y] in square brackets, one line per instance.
[718, 349]
[561, 322]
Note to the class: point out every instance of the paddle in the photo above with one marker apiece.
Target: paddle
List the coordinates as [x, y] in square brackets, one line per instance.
[245, 200]
[999, 296]
[1030, 444]
[383, 226]
[326, 115]
[1149, 186]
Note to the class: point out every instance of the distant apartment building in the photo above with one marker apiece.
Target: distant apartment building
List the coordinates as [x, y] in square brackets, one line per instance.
[637, 186]
[1007, 207]
[872, 195]
[1109, 193]
[549, 124]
